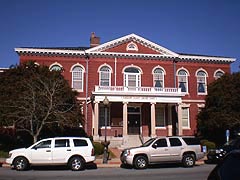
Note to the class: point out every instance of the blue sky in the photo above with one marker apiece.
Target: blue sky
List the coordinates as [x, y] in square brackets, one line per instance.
[207, 27]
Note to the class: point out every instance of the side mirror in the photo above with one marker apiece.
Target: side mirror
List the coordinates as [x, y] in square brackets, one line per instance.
[154, 146]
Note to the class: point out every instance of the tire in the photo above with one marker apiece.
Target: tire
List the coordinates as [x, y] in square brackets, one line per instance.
[188, 160]
[140, 162]
[76, 163]
[21, 164]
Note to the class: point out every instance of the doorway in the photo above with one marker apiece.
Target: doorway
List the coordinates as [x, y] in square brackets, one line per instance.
[134, 119]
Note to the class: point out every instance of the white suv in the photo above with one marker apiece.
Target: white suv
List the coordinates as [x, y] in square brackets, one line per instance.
[71, 151]
[176, 149]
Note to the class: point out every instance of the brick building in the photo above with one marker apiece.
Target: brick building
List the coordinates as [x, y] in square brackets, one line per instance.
[151, 90]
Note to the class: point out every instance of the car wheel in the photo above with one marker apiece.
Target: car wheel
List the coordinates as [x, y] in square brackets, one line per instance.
[20, 163]
[76, 163]
[140, 162]
[188, 160]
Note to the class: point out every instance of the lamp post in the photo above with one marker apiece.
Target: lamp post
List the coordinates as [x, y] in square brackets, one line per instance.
[105, 143]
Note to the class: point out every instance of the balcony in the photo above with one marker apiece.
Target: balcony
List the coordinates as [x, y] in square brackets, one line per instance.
[144, 91]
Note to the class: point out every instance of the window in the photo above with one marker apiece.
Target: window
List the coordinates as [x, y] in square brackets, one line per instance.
[102, 116]
[185, 117]
[183, 80]
[132, 47]
[132, 78]
[160, 116]
[77, 78]
[43, 144]
[104, 76]
[80, 142]
[62, 143]
[201, 82]
[161, 143]
[175, 142]
[218, 74]
[55, 68]
[158, 78]
[191, 141]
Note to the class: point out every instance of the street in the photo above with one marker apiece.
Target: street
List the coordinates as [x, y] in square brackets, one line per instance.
[154, 173]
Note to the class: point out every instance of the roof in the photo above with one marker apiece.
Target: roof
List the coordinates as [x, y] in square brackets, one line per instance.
[102, 51]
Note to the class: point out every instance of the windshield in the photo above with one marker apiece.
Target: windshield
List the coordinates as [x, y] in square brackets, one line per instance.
[147, 143]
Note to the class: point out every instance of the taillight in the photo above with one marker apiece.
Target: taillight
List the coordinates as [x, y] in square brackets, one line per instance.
[93, 152]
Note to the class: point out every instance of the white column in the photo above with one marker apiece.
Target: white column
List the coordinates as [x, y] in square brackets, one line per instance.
[180, 132]
[153, 120]
[125, 120]
[96, 118]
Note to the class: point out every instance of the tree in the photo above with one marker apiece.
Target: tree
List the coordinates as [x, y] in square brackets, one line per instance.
[222, 108]
[32, 97]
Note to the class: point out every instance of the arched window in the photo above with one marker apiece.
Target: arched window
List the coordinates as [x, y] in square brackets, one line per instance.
[132, 78]
[105, 76]
[201, 82]
[77, 78]
[158, 78]
[183, 80]
[132, 47]
[218, 74]
[55, 67]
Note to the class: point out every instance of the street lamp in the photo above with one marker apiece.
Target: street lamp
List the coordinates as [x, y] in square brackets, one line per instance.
[105, 143]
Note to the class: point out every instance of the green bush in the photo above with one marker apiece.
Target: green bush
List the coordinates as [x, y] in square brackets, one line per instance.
[98, 148]
[208, 144]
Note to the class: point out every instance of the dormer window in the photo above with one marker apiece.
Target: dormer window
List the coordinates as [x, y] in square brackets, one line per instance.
[132, 47]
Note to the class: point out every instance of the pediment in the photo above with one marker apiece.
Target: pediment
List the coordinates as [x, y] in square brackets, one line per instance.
[132, 44]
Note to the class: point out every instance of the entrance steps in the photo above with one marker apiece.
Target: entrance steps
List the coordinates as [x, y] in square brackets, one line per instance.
[131, 141]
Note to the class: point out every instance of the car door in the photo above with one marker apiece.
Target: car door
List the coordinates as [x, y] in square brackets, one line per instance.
[175, 149]
[159, 152]
[61, 151]
[41, 153]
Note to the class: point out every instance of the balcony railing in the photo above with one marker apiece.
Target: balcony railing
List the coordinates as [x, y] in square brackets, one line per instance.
[137, 90]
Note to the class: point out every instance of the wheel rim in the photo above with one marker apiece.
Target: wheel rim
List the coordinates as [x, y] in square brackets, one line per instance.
[76, 164]
[20, 164]
[141, 163]
[189, 161]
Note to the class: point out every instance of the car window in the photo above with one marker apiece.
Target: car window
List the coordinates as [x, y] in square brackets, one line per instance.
[43, 144]
[175, 142]
[191, 141]
[80, 142]
[62, 143]
[161, 143]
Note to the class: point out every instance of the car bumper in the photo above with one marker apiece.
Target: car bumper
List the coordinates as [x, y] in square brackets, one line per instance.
[9, 161]
[90, 159]
[127, 160]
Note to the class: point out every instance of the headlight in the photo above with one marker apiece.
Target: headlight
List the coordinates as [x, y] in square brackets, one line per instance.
[9, 155]
[127, 152]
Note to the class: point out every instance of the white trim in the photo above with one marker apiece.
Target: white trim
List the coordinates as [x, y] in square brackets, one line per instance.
[160, 67]
[105, 64]
[182, 68]
[132, 49]
[135, 38]
[55, 64]
[77, 64]
[210, 58]
[132, 65]
[218, 70]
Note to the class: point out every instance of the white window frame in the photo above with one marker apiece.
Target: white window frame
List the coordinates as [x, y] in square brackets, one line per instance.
[129, 75]
[51, 67]
[218, 71]
[78, 77]
[108, 73]
[183, 77]
[203, 80]
[132, 47]
[158, 76]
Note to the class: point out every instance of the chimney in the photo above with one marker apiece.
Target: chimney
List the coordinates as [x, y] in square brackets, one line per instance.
[94, 41]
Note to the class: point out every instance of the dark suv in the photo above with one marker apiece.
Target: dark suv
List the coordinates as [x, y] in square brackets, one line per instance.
[216, 155]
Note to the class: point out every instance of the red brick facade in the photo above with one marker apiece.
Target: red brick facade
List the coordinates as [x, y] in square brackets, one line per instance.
[145, 57]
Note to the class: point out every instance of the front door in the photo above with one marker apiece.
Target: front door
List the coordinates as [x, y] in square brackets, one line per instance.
[134, 117]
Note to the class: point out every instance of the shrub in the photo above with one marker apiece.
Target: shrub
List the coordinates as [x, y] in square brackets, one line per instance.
[208, 144]
[98, 148]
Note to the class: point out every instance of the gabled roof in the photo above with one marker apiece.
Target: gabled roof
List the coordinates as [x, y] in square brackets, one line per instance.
[134, 38]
